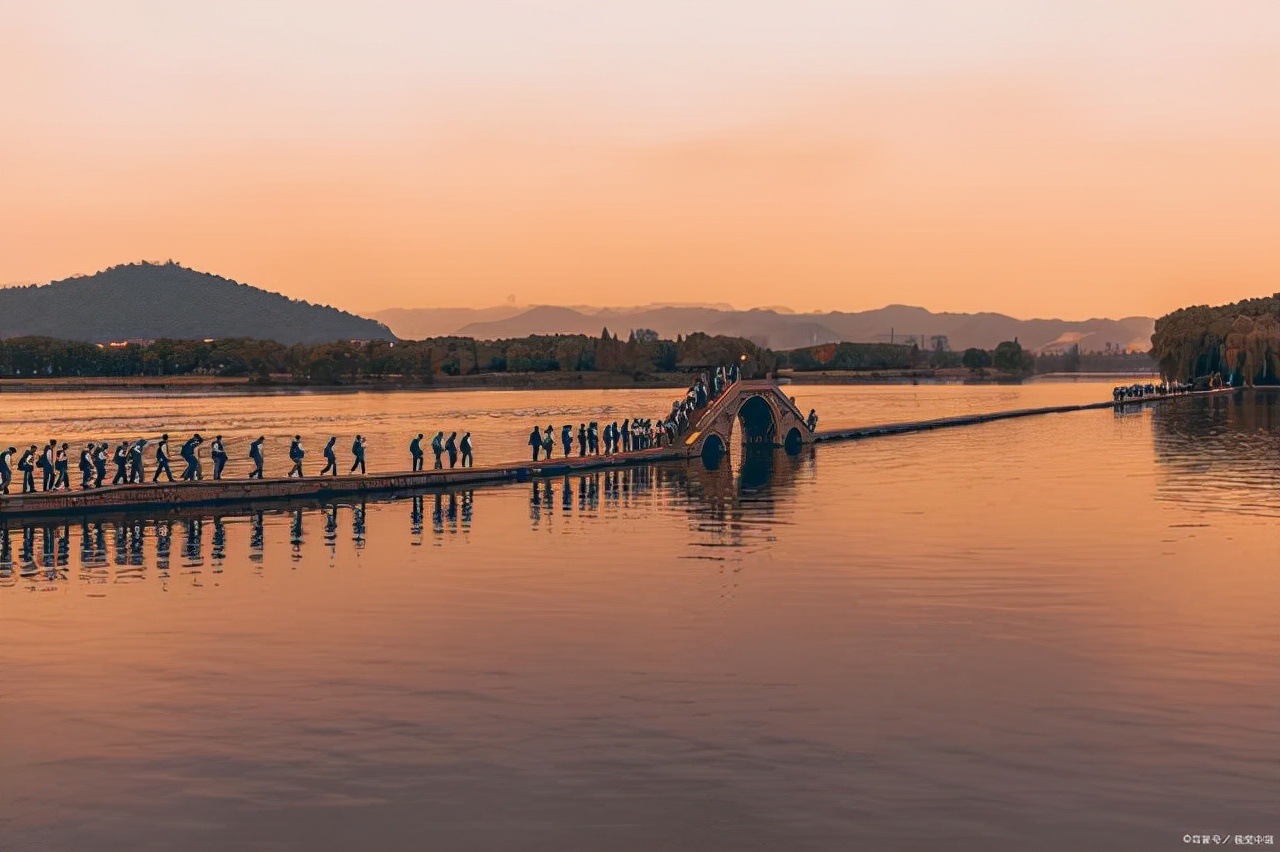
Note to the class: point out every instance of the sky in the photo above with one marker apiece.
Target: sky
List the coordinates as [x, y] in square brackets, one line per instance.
[1040, 158]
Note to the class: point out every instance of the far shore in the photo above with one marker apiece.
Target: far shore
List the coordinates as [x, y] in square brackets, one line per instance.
[566, 380]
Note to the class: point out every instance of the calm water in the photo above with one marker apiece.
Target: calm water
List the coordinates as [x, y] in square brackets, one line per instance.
[1050, 633]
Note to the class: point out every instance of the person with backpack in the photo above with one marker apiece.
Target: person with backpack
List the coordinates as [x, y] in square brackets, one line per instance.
[467, 459]
[357, 452]
[330, 457]
[255, 453]
[296, 455]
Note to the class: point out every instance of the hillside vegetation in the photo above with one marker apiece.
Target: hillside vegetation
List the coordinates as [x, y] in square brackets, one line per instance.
[147, 301]
[1240, 342]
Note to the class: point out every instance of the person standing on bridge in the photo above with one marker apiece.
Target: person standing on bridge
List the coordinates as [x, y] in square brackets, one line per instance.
[582, 440]
[467, 459]
[548, 442]
[626, 435]
[255, 454]
[451, 447]
[100, 464]
[26, 465]
[330, 457]
[415, 452]
[566, 439]
[296, 454]
[535, 442]
[593, 438]
[218, 452]
[437, 449]
[812, 420]
[162, 460]
[357, 452]
[6, 473]
[45, 462]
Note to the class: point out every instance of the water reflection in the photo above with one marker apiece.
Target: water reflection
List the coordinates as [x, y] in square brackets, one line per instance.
[1220, 453]
[727, 506]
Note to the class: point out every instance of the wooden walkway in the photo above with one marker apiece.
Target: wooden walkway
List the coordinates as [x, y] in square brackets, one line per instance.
[207, 492]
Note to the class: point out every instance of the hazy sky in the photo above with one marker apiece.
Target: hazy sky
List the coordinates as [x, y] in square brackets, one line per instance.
[1069, 159]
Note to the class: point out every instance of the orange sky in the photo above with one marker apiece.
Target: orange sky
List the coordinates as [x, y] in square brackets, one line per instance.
[1067, 159]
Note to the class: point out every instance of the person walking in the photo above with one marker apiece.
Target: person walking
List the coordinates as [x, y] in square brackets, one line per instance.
[357, 451]
[6, 473]
[626, 436]
[218, 452]
[255, 454]
[437, 449]
[330, 457]
[45, 463]
[467, 459]
[535, 442]
[86, 467]
[593, 438]
[162, 460]
[100, 464]
[415, 452]
[548, 441]
[26, 465]
[451, 447]
[137, 469]
[188, 453]
[121, 459]
[60, 478]
[296, 455]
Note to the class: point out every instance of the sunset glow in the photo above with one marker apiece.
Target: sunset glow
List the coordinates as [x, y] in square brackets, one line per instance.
[1036, 158]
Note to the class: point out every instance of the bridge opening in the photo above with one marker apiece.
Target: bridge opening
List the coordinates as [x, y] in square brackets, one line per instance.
[757, 426]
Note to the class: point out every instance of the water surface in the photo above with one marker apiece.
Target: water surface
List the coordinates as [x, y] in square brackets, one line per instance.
[1048, 633]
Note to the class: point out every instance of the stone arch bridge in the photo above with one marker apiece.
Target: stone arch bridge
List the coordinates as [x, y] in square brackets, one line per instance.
[766, 416]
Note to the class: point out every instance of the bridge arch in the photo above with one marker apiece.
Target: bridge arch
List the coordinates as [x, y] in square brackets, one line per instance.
[767, 417]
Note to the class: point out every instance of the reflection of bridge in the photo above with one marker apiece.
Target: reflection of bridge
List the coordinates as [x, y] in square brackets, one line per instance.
[767, 416]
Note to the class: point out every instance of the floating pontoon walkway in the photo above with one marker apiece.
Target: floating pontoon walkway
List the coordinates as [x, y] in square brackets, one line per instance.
[206, 492]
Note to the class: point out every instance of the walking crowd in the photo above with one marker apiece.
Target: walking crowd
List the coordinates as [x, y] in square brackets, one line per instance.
[129, 458]
[1121, 394]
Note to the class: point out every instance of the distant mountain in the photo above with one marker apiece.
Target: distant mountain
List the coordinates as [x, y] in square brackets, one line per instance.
[418, 323]
[780, 330]
[148, 301]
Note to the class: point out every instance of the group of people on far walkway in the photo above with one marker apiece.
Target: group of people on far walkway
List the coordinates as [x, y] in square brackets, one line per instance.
[1122, 394]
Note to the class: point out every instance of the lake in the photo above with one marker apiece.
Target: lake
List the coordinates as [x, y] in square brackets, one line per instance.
[1051, 633]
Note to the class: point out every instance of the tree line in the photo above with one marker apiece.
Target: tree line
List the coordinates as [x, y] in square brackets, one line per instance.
[351, 361]
[1239, 342]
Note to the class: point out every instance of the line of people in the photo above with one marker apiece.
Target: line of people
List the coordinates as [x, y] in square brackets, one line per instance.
[52, 461]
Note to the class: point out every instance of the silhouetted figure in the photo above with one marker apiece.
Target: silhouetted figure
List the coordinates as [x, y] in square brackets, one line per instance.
[468, 460]
[812, 420]
[330, 457]
[100, 464]
[626, 436]
[137, 469]
[437, 449]
[121, 459]
[415, 452]
[582, 440]
[60, 478]
[451, 447]
[566, 439]
[535, 442]
[26, 466]
[6, 472]
[357, 451]
[86, 467]
[218, 452]
[255, 455]
[162, 460]
[45, 463]
[593, 438]
[188, 453]
[296, 454]
[548, 442]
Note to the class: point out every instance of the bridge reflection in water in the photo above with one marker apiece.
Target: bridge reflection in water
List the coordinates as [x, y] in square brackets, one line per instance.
[123, 549]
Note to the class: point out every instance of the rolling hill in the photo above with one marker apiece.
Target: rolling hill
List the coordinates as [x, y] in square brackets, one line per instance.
[785, 330]
[145, 301]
